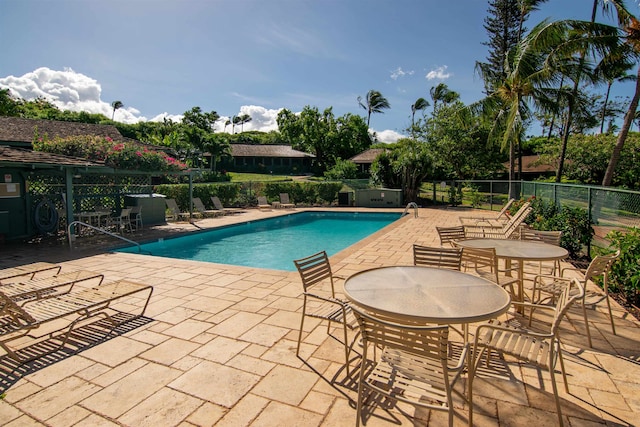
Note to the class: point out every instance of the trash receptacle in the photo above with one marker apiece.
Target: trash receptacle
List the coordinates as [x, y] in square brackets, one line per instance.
[153, 207]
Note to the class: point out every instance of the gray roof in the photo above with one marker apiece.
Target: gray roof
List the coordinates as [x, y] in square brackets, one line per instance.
[13, 156]
[17, 129]
[256, 150]
[367, 156]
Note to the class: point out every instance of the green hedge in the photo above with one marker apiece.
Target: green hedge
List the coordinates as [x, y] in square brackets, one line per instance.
[308, 193]
[228, 193]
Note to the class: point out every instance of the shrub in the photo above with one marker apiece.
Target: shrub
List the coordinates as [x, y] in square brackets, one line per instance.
[625, 272]
[574, 223]
[120, 155]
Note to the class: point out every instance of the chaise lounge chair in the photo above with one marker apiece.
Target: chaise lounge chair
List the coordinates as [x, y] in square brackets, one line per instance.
[262, 203]
[217, 204]
[9, 274]
[502, 217]
[24, 289]
[285, 203]
[505, 231]
[202, 210]
[17, 322]
[172, 205]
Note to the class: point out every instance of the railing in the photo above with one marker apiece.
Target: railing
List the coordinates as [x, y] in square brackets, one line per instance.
[415, 209]
[71, 236]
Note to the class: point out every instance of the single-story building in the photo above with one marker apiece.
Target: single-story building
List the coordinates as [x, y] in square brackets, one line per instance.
[263, 158]
[366, 158]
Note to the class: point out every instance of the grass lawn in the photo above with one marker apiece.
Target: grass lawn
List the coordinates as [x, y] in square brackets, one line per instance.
[245, 177]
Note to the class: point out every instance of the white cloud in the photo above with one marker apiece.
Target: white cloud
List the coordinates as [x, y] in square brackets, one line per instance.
[67, 90]
[438, 73]
[388, 136]
[399, 72]
[70, 90]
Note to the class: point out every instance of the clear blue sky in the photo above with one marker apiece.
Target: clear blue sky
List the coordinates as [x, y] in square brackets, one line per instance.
[249, 56]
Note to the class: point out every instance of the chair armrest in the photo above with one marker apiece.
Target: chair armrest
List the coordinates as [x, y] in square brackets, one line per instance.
[327, 299]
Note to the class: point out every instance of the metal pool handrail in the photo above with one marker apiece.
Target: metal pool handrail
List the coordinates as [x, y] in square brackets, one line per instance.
[101, 230]
[415, 209]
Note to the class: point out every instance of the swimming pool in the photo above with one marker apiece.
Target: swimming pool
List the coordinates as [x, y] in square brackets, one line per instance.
[275, 242]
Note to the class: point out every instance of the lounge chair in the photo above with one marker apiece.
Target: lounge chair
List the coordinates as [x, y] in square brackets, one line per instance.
[27, 271]
[217, 204]
[175, 210]
[502, 217]
[24, 289]
[199, 206]
[262, 203]
[505, 231]
[17, 322]
[285, 203]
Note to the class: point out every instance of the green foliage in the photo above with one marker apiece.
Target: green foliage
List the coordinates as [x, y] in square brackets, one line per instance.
[474, 195]
[119, 155]
[403, 166]
[304, 192]
[228, 193]
[574, 223]
[343, 169]
[325, 136]
[455, 195]
[625, 272]
[211, 176]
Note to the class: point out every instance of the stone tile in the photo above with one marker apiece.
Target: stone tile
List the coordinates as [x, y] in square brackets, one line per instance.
[215, 383]
[285, 384]
[250, 364]
[119, 397]
[56, 398]
[115, 351]
[69, 417]
[60, 370]
[8, 413]
[95, 420]
[207, 415]
[237, 324]
[112, 375]
[220, 349]
[280, 414]
[266, 335]
[243, 412]
[169, 351]
[166, 407]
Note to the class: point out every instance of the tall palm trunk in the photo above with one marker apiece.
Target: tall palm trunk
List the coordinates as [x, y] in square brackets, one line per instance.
[622, 136]
[604, 107]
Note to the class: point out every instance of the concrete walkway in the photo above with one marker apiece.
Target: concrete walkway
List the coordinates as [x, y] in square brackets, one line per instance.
[217, 347]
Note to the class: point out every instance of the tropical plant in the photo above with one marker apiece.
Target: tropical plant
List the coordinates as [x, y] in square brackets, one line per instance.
[116, 105]
[442, 93]
[374, 102]
[419, 105]
[625, 272]
[633, 40]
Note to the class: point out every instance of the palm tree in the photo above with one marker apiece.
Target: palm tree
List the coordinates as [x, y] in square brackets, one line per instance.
[375, 103]
[442, 93]
[612, 72]
[419, 105]
[116, 106]
[633, 40]
[623, 16]
[242, 119]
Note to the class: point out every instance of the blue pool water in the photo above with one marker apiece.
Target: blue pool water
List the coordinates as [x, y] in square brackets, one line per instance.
[275, 242]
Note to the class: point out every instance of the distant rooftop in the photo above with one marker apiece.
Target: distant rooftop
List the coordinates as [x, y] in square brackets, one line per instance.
[367, 156]
[266, 150]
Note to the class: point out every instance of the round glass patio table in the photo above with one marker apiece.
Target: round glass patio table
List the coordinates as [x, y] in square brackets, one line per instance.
[426, 295]
[520, 251]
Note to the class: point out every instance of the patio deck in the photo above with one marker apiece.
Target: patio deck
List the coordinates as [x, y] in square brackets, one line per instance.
[217, 347]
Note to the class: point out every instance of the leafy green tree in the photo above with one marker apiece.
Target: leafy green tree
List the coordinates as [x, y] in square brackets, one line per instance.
[8, 105]
[374, 102]
[343, 169]
[442, 93]
[242, 119]
[322, 134]
[197, 130]
[404, 166]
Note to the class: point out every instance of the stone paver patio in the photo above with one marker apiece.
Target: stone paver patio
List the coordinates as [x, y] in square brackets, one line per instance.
[217, 347]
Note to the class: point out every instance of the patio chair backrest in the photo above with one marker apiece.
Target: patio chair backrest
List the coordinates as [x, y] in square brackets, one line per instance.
[482, 258]
[550, 237]
[315, 269]
[15, 314]
[197, 203]
[600, 266]
[571, 293]
[420, 340]
[505, 209]
[284, 198]
[262, 200]
[449, 258]
[217, 204]
[450, 234]
[516, 221]
[173, 206]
